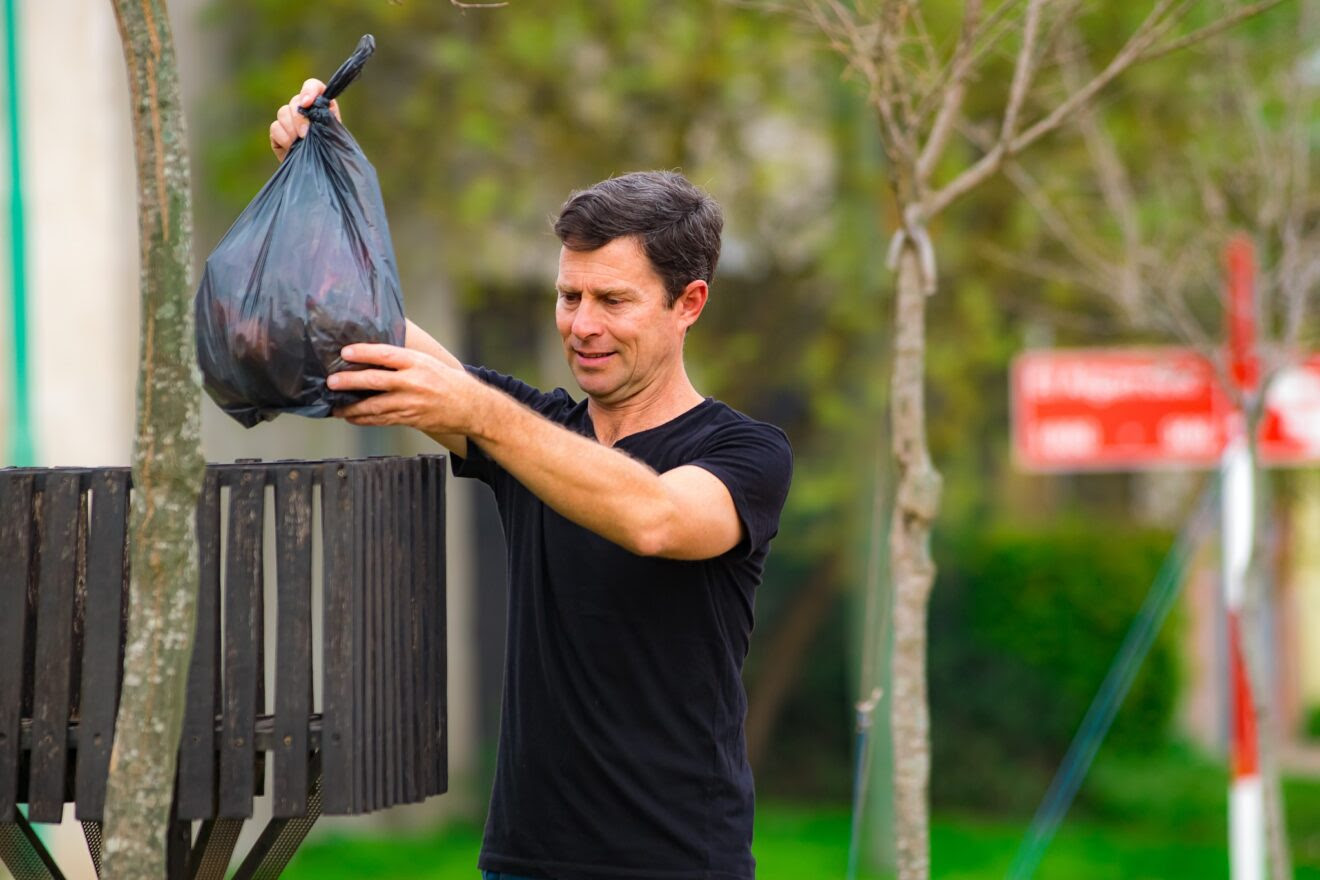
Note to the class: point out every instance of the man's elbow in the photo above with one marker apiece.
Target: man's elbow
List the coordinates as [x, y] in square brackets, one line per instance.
[650, 539]
[670, 541]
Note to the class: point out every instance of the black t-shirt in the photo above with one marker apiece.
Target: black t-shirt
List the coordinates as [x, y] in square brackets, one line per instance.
[621, 738]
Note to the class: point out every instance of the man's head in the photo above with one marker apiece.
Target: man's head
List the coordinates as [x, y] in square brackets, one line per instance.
[638, 252]
[676, 224]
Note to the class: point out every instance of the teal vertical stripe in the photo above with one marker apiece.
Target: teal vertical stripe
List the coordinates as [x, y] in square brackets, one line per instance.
[22, 449]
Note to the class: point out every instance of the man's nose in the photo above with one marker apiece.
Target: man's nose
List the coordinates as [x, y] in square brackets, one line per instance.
[586, 319]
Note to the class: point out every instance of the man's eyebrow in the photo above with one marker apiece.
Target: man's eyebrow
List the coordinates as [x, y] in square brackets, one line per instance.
[597, 291]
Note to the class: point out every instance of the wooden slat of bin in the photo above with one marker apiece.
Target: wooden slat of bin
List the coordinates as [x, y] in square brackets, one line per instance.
[439, 627]
[362, 746]
[243, 583]
[403, 612]
[54, 655]
[406, 618]
[16, 500]
[375, 702]
[385, 513]
[293, 660]
[421, 624]
[337, 738]
[197, 755]
[103, 611]
[424, 575]
[426, 585]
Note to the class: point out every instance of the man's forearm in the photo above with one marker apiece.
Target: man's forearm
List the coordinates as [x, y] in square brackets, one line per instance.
[599, 488]
[685, 513]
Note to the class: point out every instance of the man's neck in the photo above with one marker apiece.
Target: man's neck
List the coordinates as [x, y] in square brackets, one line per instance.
[645, 410]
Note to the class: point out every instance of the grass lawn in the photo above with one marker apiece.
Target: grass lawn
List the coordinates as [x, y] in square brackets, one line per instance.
[1148, 817]
[795, 842]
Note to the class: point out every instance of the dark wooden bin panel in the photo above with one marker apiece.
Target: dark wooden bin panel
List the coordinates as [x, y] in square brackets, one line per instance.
[420, 619]
[243, 635]
[437, 588]
[371, 703]
[197, 747]
[405, 613]
[62, 524]
[338, 734]
[293, 660]
[103, 614]
[380, 728]
[16, 546]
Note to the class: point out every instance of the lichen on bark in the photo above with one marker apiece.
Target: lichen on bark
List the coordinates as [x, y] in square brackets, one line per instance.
[167, 462]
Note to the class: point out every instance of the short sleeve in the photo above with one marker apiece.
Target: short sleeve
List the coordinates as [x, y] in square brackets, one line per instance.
[551, 404]
[755, 463]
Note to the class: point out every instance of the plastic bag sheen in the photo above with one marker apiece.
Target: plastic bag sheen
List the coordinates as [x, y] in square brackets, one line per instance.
[307, 268]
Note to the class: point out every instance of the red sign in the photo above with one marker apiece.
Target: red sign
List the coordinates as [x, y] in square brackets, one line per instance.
[1116, 409]
[1132, 409]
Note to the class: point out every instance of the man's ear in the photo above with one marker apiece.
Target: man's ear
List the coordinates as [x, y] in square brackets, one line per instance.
[691, 301]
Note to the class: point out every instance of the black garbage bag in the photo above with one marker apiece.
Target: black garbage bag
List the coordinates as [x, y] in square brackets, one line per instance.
[307, 268]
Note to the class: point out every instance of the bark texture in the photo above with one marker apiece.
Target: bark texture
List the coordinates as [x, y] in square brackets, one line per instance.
[916, 504]
[167, 462]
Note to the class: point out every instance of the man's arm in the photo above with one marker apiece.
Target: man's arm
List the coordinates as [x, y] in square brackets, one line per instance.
[684, 513]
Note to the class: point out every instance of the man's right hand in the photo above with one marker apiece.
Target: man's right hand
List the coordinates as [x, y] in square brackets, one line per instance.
[289, 124]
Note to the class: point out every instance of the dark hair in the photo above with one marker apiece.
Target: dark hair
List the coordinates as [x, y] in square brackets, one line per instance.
[677, 224]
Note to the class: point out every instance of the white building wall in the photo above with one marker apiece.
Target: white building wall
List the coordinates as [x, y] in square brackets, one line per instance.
[81, 233]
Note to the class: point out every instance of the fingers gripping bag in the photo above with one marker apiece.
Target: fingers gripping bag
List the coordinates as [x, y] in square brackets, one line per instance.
[307, 268]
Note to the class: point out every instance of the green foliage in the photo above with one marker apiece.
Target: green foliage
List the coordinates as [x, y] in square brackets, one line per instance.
[1311, 723]
[1150, 837]
[1024, 626]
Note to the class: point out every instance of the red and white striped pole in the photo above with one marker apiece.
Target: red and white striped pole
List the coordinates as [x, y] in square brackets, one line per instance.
[1246, 802]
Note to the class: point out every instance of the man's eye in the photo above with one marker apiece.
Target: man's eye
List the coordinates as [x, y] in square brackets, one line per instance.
[612, 300]
[569, 297]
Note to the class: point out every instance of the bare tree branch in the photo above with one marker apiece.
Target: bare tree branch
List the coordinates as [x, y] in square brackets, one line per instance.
[954, 91]
[1115, 187]
[988, 35]
[1213, 29]
[1163, 15]
[1023, 71]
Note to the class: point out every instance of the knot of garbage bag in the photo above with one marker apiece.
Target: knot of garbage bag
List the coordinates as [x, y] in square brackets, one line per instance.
[319, 111]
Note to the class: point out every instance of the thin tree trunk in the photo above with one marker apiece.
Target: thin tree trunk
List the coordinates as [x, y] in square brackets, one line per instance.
[167, 462]
[913, 572]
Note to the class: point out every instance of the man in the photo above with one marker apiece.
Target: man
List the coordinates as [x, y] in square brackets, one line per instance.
[638, 522]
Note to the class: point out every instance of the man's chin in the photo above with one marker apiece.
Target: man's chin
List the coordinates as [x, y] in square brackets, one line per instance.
[596, 388]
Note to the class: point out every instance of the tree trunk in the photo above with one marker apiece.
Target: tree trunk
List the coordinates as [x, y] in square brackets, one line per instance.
[913, 572]
[167, 462]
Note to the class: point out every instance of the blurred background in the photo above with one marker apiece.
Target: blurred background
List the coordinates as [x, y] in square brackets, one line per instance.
[479, 123]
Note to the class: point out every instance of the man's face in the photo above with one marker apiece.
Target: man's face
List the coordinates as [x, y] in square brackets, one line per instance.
[619, 335]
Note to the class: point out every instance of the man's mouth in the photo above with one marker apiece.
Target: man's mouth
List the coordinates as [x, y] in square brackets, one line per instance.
[592, 355]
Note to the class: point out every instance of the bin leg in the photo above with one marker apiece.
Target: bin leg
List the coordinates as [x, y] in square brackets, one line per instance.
[281, 838]
[23, 853]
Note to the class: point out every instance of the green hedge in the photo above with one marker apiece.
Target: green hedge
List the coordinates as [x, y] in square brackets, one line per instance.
[1024, 625]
